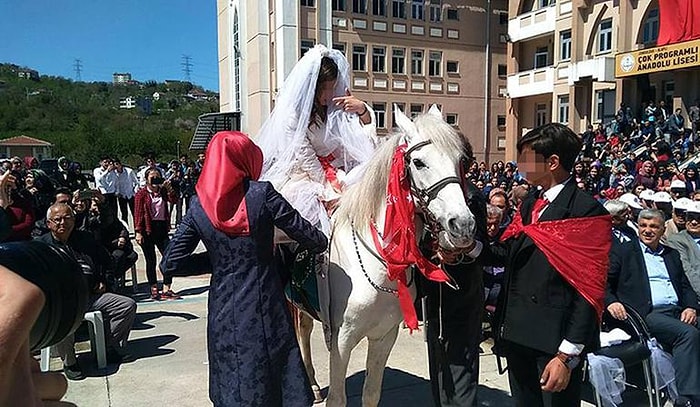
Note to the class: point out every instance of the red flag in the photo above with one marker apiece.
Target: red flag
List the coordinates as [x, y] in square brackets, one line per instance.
[577, 248]
[679, 20]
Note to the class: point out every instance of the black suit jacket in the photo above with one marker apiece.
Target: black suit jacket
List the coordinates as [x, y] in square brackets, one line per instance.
[628, 280]
[538, 308]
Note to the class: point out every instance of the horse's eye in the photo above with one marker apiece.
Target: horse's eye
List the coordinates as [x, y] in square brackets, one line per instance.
[419, 164]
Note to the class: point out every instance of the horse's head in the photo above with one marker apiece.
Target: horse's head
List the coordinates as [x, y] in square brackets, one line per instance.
[433, 160]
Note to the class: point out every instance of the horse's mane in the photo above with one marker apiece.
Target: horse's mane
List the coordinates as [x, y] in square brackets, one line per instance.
[361, 201]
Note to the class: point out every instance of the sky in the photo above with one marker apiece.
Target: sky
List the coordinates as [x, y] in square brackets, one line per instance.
[147, 38]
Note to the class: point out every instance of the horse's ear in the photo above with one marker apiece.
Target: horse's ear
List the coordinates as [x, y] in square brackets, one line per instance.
[435, 111]
[405, 124]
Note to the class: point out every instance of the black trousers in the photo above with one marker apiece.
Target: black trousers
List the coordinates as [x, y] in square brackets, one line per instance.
[454, 360]
[111, 201]
[157, 238]
[124, 205]
[525, 367]
[683, 341]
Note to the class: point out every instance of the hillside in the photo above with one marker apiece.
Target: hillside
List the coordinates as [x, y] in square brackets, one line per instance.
[84, 120]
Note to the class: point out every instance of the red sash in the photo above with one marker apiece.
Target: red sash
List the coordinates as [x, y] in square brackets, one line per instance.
[399, 246]
[577, 248]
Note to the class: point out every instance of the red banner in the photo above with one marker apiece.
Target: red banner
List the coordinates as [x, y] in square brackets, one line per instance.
[679, 20]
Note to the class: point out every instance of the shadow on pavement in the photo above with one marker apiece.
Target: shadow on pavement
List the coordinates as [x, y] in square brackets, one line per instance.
[141, 318]
[150, 346]
[401, 388]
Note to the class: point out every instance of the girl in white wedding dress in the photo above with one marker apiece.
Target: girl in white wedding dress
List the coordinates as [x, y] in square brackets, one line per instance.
[318, 136]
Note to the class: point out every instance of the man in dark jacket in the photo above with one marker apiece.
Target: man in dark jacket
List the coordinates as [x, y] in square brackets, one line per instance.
[548, 313]
[648, 277]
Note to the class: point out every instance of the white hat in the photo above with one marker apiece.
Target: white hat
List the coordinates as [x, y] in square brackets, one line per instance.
[662, 197]
[631, 199]
[678, 184]
[647, 195]
[682, 204]
[693, 207]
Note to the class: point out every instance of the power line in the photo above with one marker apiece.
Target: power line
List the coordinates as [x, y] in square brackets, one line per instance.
[78, 68]
[187, 67]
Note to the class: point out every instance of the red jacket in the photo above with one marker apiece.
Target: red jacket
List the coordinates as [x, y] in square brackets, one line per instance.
[142, 209]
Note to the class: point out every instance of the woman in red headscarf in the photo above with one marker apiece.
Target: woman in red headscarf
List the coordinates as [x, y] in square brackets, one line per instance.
[254, 358]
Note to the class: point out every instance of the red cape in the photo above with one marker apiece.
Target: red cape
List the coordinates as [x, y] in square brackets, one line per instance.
[577, 248]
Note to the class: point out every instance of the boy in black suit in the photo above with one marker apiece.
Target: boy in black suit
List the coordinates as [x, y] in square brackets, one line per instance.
[556, 264]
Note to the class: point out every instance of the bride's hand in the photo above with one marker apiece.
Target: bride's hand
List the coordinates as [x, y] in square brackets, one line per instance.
[350, 103]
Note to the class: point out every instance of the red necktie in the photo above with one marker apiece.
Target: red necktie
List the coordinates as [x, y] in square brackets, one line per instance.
[537, 208]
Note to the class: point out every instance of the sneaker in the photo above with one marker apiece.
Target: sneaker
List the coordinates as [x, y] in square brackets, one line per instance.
[73, 372]
[170, 295]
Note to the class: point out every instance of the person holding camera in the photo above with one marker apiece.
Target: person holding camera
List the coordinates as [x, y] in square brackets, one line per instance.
[151, 225]
[118, 310]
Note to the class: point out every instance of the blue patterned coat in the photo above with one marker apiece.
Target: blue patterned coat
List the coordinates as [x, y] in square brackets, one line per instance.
[254, 358]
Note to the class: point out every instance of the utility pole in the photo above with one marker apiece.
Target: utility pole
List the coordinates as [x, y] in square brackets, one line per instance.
[187, 67]
[78, 68]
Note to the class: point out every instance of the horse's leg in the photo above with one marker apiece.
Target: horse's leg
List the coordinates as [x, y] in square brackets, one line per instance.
[304, 328]
[377, 354]
[342, 344]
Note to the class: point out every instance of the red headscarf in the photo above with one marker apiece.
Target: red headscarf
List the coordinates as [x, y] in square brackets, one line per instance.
[231, 158]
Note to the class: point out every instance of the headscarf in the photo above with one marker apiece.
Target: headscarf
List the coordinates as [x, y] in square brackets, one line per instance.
[643, 172]
[61, 160]
[232, 159]
[31, 162]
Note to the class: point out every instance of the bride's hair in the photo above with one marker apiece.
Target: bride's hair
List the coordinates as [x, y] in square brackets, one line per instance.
[327, 72]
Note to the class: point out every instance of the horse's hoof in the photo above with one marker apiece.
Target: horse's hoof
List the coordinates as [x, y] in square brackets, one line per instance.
[318, 397]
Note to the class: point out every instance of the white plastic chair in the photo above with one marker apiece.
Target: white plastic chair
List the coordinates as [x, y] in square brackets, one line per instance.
[97, 341]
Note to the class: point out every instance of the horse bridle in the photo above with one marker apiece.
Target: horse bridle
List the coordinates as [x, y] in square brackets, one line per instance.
[425, 195]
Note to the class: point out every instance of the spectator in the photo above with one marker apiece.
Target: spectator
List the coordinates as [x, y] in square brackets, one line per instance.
[150, 163]
[76, 178]
[118, 311]
[174, 176]
[151, 225]
[664, 203]
[677, 221]
[691, 178]
[493, 275]
[648, 277]
[20, 213]
[106, 182]
[189, 181]
[694, 116]
[126, 189]
[499, 199]
[676, 124]
[40, 191]
[645, 176]
[678, 189]
[686, 242]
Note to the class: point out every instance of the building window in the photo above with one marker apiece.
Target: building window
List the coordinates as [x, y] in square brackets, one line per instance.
[541, 115]
[339, 46]
[541, 57]
[545, 3]
[338, 5]
[416, 110]
[359, 58]
[650, 30]
[417, 9]
[379, 8]
[380, 114]
[605, 105]
[452, 119]
[378, 59]
[605, 36]
[565, 45]
[564, 109]
[502, 71]
[435, 11]
[398, 8]
[452, 14]
[452, 67]
[307, 3]
[398, 60]
[306, 45]
[501, 120]
[236, 62]
[416, 62]
[434, 62]
[359, 6]
[503, 18]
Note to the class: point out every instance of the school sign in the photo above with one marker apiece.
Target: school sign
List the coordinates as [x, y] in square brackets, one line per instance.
[658, 59]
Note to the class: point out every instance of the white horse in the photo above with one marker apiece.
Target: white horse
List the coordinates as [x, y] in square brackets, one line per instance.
[363, 301]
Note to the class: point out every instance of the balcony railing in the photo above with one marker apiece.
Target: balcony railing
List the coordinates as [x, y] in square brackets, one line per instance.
[529, 83]
[601, 69]
[533, 24]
